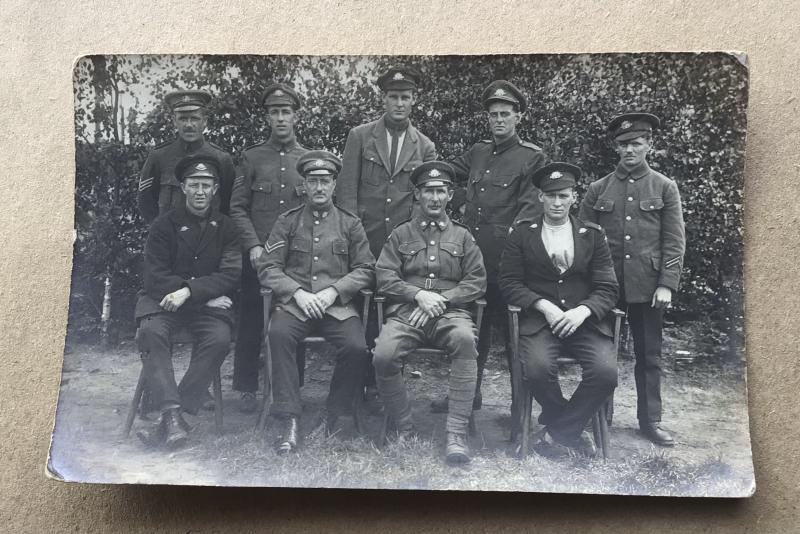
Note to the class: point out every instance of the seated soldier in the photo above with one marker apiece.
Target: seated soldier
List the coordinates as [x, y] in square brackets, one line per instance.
[558, 269]
[192, 264]
[317, 260]
[431, 271]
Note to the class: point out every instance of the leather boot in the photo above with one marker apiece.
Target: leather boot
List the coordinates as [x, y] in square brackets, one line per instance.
[656, 434]
[443, 405]
[174, 424]
[287, 441]
[154, 436]
[457, 448]
[325, 426]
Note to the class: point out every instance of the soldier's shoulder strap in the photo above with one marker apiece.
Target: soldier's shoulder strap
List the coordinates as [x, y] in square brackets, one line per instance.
[487, 141]
[254, 145]
[397, 226]
[592, 225]
[214, 145]
[532, 146]
[346, 212]
[164, 144]
[465, 227]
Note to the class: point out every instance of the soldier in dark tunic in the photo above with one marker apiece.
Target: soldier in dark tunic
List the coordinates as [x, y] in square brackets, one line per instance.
[191, 269]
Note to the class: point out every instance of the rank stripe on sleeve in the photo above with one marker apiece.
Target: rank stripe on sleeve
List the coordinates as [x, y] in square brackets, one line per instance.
[272, 247]
[144, 184]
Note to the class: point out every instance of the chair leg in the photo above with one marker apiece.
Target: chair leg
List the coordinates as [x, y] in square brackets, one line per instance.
[218, 402]
[605, 438]
[261, 425]
[527, 408]
[384, 430]
[358, 415]
[137, 397]
[472, 426]
[597, 431]
[610, 410]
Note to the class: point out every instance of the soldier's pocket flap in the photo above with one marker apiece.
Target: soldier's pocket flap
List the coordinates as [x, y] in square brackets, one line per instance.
[261, 187]
[454, 249]
[604, 204]
[651, 204]
[411, 165]
[299, 190]
[300, 244]
[409, 249]
[504, 181]
[656, 261]
[340, 246]
[370, 154]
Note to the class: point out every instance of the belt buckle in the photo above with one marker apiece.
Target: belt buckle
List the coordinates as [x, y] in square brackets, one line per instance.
[428, 283]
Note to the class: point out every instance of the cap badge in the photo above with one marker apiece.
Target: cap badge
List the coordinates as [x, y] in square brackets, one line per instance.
[278, 92]
[319, 163]
[186, 98]
[200, 167]
[555, 175]
[500, 92]
[625, 125]
[398, 76]
[434, 173]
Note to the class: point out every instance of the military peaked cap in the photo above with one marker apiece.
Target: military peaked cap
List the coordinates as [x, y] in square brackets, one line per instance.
[319, 163]
[556, 176]
[187, 100]
[632, 125]
[399, 78]
[504, 91]
[197, 166]
[433, 174]
[279, 94]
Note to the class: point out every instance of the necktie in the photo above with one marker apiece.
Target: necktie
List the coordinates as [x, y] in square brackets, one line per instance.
[394, 134]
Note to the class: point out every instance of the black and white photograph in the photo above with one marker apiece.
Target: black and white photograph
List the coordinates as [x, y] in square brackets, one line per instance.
[514, 273]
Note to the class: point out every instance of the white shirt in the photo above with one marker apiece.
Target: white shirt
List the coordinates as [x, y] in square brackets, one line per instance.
[559, 244]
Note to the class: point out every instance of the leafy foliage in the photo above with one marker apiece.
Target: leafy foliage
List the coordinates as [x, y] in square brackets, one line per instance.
[701, 99]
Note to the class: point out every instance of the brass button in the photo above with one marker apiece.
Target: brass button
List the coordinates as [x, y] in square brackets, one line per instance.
[316, 258]
[388, 200]
[627, 238]
[433, 258]
[432, 275]
[283, 168]
[627, 256]
[560, 281]
[282, 154]
[314, 278]
[563, 301]
[316, 222]
[283, 185]
[630, 180]
[628, 218]
[488, 171]
[630, 199]
[316, 240]
[387, 219]
[483, 189]
[280, 202]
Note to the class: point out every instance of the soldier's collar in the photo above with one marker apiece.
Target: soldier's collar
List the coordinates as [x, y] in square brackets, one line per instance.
[193, 146]
[504, 145]
[282, 145]
[640, 171]
[426, 222]
[320, 214]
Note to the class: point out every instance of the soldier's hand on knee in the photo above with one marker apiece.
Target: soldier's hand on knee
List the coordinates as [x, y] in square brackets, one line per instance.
[223, 303]
[327, 297]
[431, 303]
[175, 300]
[309, 303]
[570, 321]
[418, 318]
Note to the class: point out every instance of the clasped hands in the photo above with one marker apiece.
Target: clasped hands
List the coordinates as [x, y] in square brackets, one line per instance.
[315, 304]
[173, 301]
[429, 305]
[562, 323]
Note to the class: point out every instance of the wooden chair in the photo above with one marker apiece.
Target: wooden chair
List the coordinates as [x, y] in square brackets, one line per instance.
[380, 300]
[266, 293]
[181, 336]
[600, 420]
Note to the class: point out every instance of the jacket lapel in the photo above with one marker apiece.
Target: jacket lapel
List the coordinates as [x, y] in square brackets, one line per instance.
[210, 232]
[187, 230]
[408, 149]
[538, 246]
[379, 138]
[579, 238]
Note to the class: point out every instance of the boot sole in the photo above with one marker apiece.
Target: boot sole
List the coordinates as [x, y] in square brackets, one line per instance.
[458, 458]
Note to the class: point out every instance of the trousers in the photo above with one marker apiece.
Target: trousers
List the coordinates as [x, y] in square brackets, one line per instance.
[539, 353]
[455, 332]
[212, 343]
[285, 333]
[646, 325]
[248, 336]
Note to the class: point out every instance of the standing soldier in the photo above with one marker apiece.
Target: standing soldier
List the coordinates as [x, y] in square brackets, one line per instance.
[269, 185]
[496, 175]
[159, 188]
[317, 259]
[640, 210]
[431, 270]
[378, 160]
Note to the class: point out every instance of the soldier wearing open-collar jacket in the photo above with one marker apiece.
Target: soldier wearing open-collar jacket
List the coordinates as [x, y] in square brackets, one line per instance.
[558, 269]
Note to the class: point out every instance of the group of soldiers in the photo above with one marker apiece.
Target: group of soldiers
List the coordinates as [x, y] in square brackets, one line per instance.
[316, 229]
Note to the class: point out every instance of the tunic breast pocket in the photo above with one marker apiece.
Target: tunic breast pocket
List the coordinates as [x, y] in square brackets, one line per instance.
[651, 204]
[410, 252]
[502, 193]
[170, 194]
[452, 254]
[604, 205]
[342, 254]
[372, 168]
[299, 253]
[261, 196]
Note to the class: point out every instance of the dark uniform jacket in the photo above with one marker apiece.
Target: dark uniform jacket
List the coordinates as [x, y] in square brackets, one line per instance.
[159, 189]
[366, 187]
[313, 250]
[180, 252]
[527, 274]
[641, 214]
[496, 185]
[441, 258]
[268, 185]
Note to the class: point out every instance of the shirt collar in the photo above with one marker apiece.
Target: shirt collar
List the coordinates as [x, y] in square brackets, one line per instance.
[194, 146]
[640, 171]
[425, 223]
[507, 143]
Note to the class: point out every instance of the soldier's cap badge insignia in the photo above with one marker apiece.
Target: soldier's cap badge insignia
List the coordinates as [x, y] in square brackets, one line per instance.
[398, 76]
[625, 125]
[500, 92]
[555, 175]
[278, 92]
[582, 230]
[186, 98]
[184, 228]
[201, 167]
[434, 173]
[213, 223]
[319, 163]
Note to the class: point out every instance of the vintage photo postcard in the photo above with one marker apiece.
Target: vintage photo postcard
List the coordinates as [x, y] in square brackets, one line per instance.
[492, 273]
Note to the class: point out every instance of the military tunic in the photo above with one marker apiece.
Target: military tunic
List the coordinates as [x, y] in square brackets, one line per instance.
[183, 250]
[314, 249]
[640, 211]
[438, 256]
[528, 274]
[268, 185]
[159, 189]
[366, 186]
